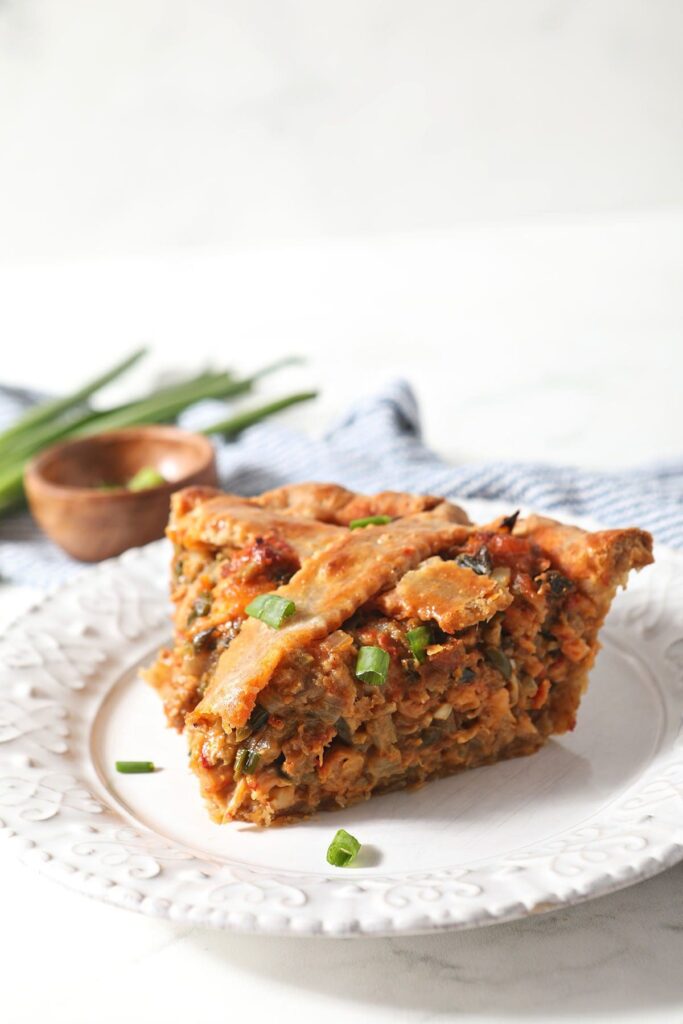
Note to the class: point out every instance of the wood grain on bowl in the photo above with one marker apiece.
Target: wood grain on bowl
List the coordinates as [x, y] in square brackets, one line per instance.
[64, 486]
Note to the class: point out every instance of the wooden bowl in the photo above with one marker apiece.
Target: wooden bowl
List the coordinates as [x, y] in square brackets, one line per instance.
[64, 487]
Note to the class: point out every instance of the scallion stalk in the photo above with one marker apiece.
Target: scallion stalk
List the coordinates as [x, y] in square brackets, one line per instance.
[45, 434]
[163, 408]
[46, 411]
[69, 417]
[241, 421]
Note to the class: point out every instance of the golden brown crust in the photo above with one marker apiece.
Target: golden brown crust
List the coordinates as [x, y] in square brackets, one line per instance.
[597, 562]
[304, 514]
[331, 503]
[310, 501]
[228, 521]
[451, 595]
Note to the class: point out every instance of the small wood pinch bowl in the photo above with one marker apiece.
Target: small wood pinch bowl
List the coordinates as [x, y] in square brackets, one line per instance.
[64, 487]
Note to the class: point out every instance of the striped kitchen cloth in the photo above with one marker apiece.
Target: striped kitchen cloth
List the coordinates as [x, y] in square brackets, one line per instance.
[378, 446]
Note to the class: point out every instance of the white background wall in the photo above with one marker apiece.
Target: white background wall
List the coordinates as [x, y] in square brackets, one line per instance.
[136, 125]
[493, 190]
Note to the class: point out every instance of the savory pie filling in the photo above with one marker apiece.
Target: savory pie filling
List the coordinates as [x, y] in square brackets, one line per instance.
[278, 721]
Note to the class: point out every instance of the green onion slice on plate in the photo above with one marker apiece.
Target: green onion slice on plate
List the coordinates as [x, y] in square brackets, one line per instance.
[343, 849]
[372, 666]
[271, 609]
[134, 767]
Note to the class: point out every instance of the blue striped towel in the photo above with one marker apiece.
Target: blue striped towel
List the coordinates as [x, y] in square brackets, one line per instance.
[378, 446]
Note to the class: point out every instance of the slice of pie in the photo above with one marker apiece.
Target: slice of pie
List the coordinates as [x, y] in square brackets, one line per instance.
[331, 645]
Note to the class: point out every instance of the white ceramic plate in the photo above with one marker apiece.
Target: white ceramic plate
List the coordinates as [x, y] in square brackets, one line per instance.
[591, 812]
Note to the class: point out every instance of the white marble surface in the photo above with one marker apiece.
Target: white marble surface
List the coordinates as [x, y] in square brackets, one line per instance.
[616, 959]
[486, 198]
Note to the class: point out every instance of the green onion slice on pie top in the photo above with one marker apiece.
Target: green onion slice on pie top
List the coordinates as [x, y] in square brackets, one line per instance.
[357, 524]
[134, 767]
[271, 609]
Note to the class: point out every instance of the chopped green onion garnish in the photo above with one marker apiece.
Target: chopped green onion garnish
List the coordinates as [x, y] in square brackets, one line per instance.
[134, 767]
[246, 761]
[343, 849]
[271, 609]
[145, 478]
[372, 666]
[419, 640]
[357, 524]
